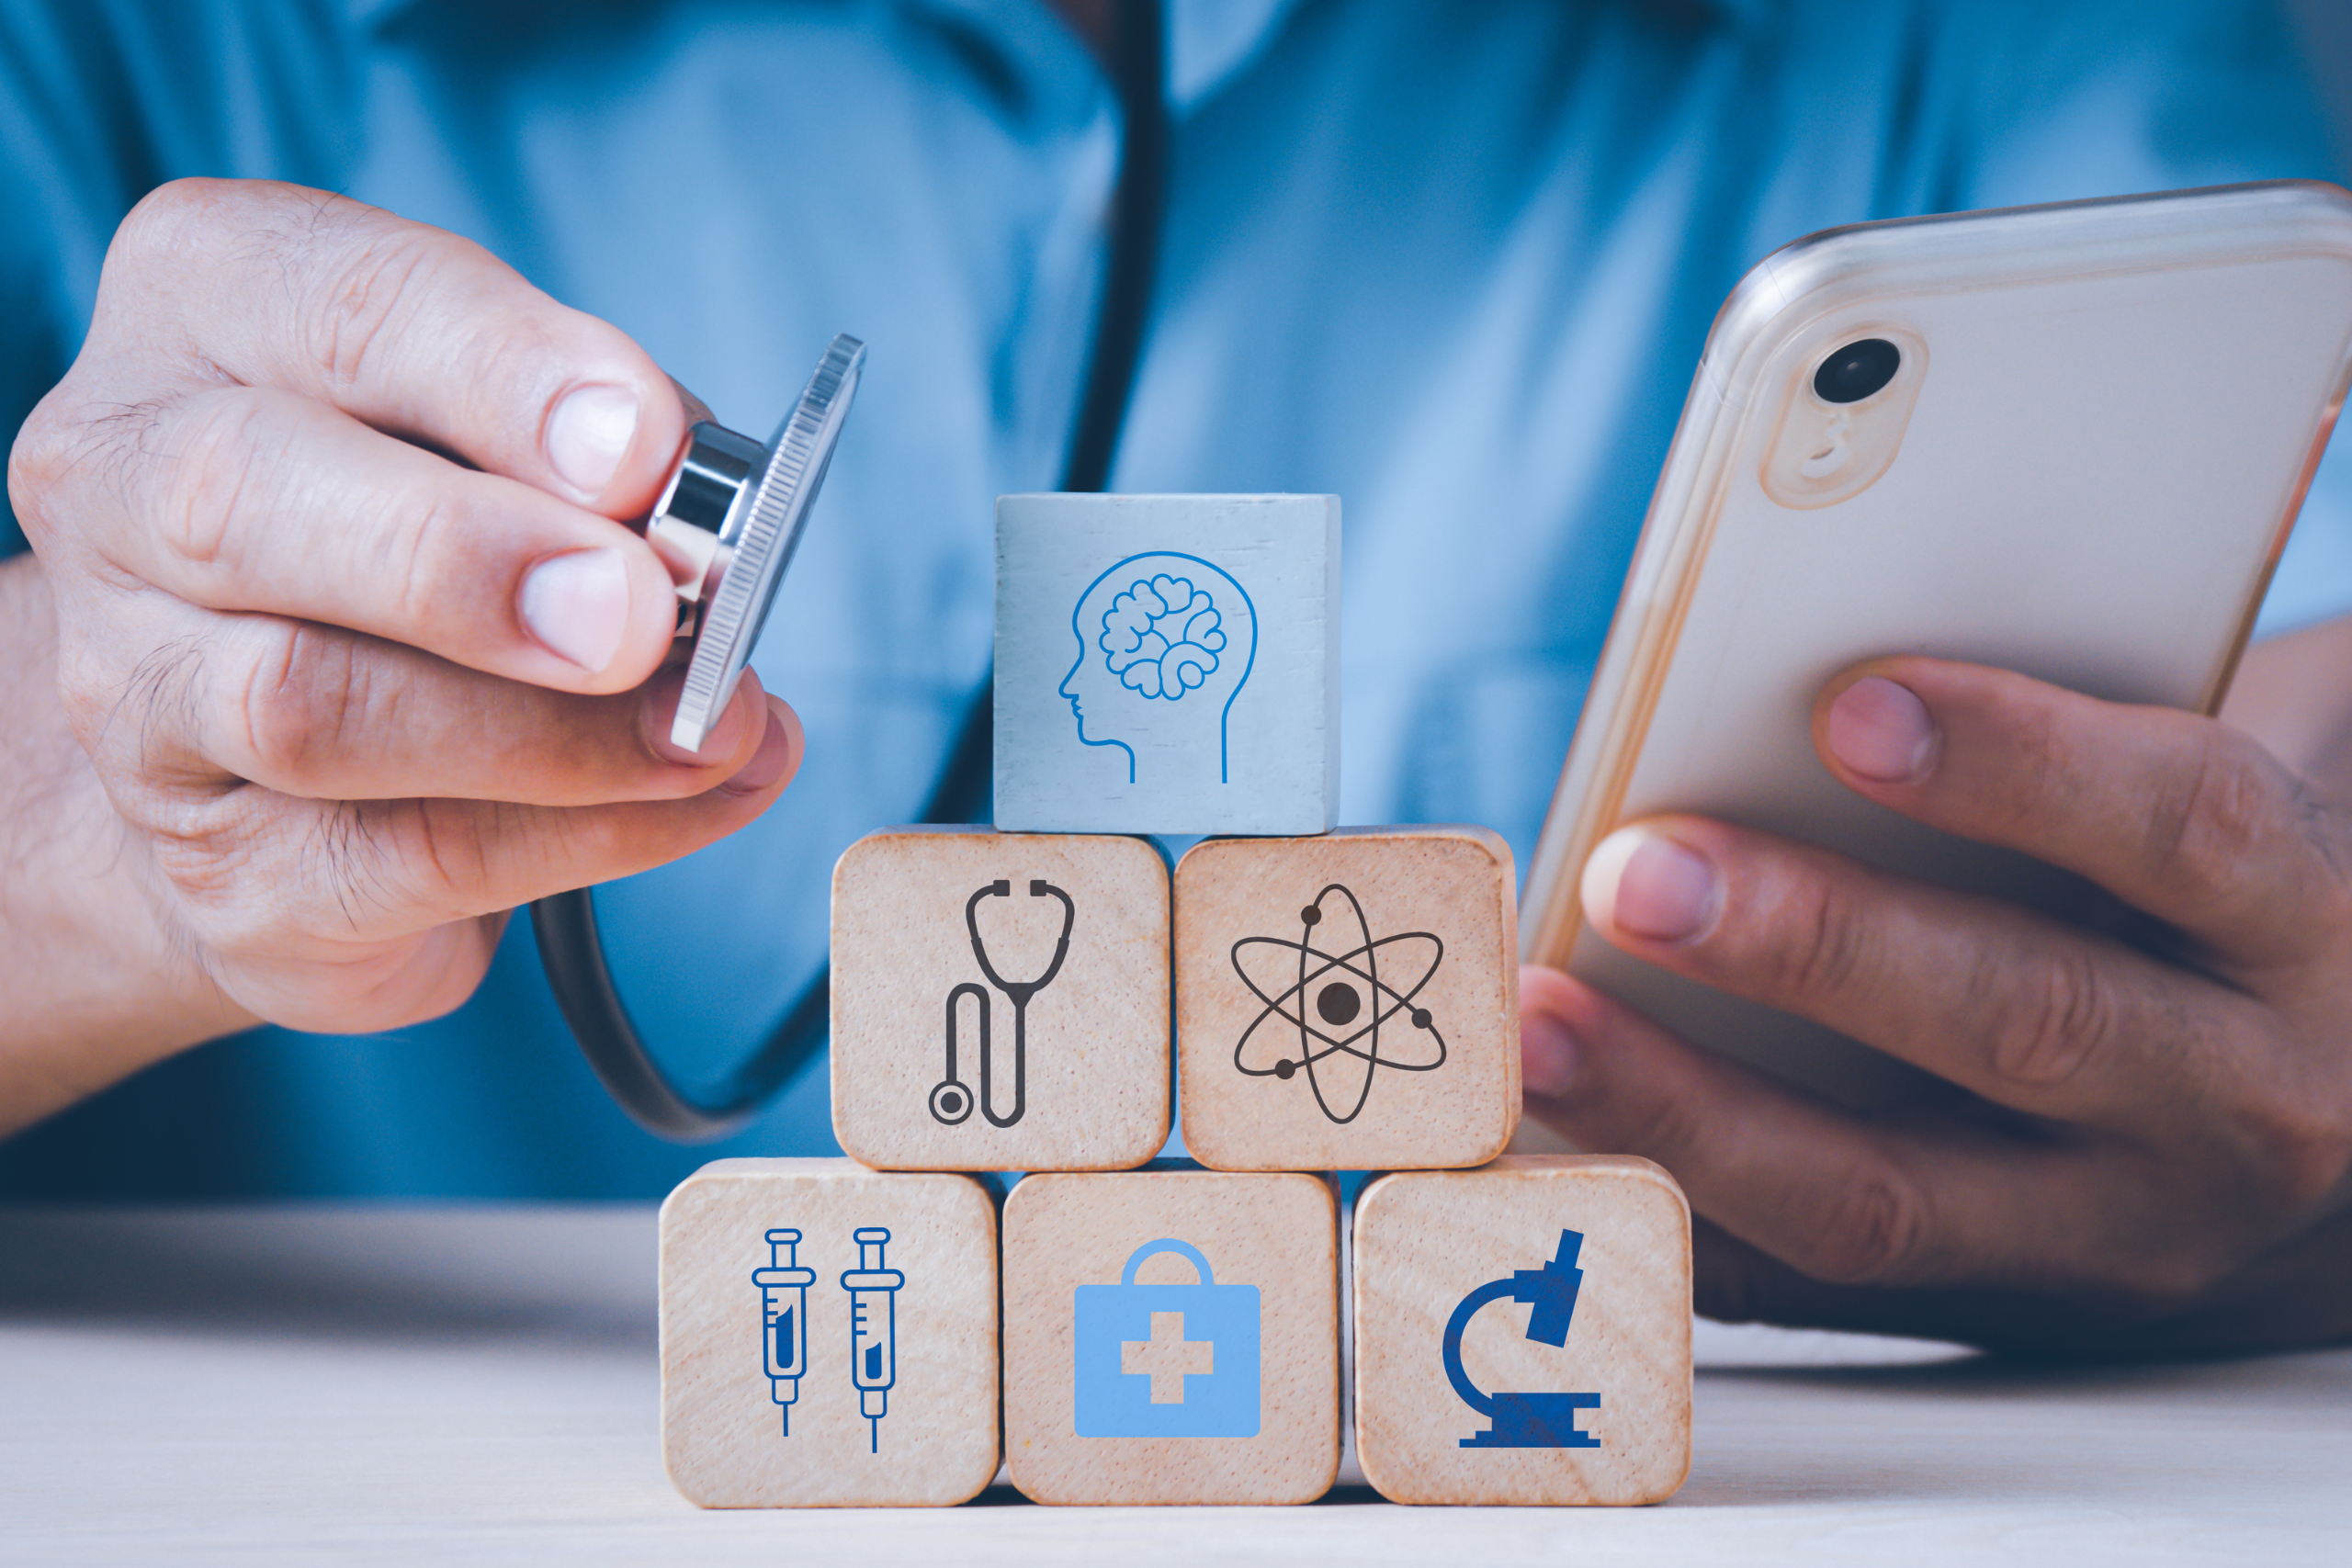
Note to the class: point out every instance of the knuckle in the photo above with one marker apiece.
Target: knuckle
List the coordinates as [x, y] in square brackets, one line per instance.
[306, 694]
[1663, 1127]
[362, 295]
[421, 560]
[356, 863]
[2299, 1148]
[405, 863]
[2208, 823]
[222, 451]
[2147, 1284]
[164, 223]
[2057, 1016]
[1816, 954]
[38, 462]
[72, 443]
[134, 715]
[1867, 1230]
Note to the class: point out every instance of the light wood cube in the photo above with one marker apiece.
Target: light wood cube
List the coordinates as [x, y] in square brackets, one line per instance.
[829, 1336]
[999, 1001]
[1348, 1002]
[1522, 1333]
[1171, 1336]
[1167, 663]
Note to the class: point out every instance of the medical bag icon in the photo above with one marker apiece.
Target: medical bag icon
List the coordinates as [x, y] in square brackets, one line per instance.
[1166, 1361]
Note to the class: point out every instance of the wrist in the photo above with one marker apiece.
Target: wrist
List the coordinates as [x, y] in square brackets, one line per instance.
[98, 983]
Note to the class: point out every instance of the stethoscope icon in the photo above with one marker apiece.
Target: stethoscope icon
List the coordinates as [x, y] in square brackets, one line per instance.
[951, 1100]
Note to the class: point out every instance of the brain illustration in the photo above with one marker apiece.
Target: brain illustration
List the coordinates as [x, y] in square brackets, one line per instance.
[1161, 636]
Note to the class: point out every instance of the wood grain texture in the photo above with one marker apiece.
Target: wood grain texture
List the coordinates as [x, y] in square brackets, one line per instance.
[474, 1383]
[1442, 895]
[1276, 1232]
[1097, 1090]
[1218, 715]
[723, 1435]
[1424, 1240]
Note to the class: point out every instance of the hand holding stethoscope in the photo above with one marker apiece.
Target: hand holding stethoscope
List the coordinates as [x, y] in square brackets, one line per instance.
[951, 1100]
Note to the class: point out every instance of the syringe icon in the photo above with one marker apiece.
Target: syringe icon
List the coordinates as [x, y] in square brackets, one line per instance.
[784, 1303]
[872, 1330]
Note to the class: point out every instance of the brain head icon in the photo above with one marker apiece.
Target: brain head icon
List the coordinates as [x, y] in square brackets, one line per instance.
[1165, 641]
[1161, 636]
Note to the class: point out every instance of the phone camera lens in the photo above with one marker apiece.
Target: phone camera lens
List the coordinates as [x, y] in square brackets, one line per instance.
[1857, 370]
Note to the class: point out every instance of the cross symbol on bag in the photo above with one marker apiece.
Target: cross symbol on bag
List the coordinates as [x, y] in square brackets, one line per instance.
[1167, 1357]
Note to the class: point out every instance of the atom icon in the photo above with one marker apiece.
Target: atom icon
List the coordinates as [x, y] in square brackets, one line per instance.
[1346, 991]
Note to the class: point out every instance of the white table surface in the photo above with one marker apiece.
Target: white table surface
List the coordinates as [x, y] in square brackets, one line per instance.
[478, 1384]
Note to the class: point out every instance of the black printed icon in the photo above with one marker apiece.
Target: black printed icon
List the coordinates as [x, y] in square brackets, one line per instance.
[1337, 1004]
[951, 1099]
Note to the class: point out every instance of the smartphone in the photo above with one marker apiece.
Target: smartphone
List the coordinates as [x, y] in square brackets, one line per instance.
[2065, 440]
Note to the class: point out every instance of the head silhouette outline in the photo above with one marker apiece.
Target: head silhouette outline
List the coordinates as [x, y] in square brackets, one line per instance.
[1165, 643]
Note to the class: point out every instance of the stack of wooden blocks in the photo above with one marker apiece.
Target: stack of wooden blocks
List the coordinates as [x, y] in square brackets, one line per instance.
[880, 1330]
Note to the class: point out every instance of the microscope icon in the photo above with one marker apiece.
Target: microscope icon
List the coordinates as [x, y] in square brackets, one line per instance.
[1526, 1420]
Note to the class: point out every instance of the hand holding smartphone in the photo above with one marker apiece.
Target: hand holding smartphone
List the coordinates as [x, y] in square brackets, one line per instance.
[2065, 441]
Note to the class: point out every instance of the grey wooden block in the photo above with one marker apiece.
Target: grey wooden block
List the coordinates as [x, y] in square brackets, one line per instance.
[1167, 663]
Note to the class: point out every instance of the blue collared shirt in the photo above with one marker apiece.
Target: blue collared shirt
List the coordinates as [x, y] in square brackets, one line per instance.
[1452, 262]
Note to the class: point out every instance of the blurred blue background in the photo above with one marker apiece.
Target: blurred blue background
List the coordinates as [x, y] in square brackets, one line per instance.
[499, 1091]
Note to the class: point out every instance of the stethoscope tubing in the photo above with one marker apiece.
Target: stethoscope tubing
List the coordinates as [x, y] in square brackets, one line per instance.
[564, 924]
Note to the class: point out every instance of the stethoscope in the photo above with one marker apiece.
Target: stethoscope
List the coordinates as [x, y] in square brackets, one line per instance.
[733, 510]
[950, 1102]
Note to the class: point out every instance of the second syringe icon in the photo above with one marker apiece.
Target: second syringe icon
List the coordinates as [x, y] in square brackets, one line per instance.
[872, 1330]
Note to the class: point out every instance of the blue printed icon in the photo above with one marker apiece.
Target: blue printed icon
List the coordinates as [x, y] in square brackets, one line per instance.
[1526, 1420]
[1165, 643]
[784, 1309]
[872, 1330]
[1166, 1361]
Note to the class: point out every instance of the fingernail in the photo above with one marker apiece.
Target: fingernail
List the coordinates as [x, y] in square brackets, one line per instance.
[1547, 1055]
[577, 604]
[770, 762]
[588, 433]
[1883, 731]
[1652, 886]
[660, 709]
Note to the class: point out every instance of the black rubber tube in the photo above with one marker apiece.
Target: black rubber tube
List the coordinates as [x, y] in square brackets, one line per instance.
[565, 923]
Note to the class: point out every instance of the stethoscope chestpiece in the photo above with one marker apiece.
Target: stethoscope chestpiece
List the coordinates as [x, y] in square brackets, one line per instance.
[727, 525]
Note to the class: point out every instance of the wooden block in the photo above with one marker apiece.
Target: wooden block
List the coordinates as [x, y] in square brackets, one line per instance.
[1579, 1393]
[1171, 1336]
[947, 1053]
[1167, 663]
[1349, 1002]
[829, 1336]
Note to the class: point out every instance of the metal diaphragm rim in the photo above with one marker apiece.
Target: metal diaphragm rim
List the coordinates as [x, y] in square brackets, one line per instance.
[779, 508]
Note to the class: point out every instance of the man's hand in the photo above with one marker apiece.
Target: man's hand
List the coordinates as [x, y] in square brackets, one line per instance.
[347, 628]
[2151, 1156]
